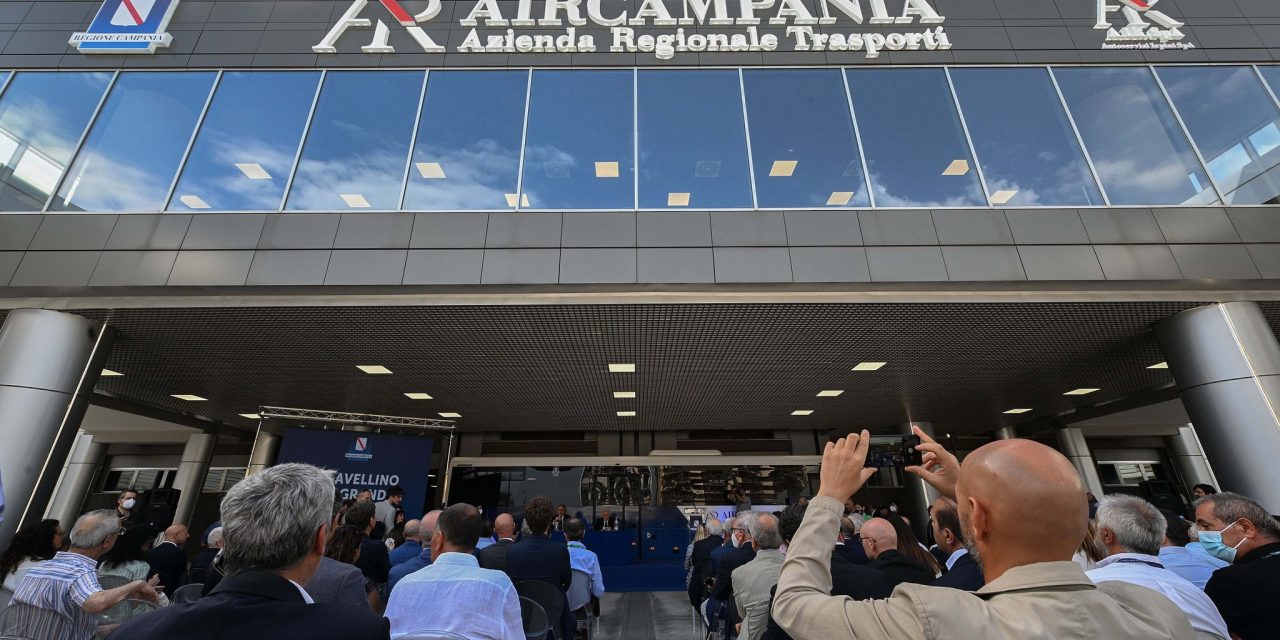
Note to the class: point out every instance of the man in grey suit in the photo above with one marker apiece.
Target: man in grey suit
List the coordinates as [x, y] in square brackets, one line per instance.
[338, 582]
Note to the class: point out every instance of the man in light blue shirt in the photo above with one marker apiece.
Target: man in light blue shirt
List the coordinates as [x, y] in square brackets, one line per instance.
[1179, 555]
[454, 594]
[582, 559]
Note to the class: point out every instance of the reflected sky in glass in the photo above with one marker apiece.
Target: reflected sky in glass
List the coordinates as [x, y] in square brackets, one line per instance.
[1140, 152]
[247, 142]
[693, 146]
[468, 151]
[578, 152]
[915, 147]
[802, 140]
[356, 150]
[42, 116]
[1232, 120]
[132, 153]
[1029, 154]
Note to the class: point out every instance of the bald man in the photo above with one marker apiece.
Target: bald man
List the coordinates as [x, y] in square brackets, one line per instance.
[880, 542]
[425, 530]
[494, 556]
[169, 560]
[1023, 512]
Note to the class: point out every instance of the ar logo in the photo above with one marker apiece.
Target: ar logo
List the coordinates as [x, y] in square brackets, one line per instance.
[381, 32]
[1142, 22]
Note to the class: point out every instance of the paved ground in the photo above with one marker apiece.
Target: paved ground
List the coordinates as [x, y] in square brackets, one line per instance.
[664, 615]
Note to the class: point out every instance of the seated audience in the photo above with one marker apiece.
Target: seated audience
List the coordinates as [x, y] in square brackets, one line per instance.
[719, 552]
[1238, 530]
[373, 562]
[1131, 530]
[127, 560]
[486, 536]
[423, 559]
[345, 547]
[495, 556]
[275, 523]
[1178, 558]
[753, 582]
[743, 551]
[962, 571]
[64, 590]
[1023, 512]
[1090, 550]
[700, 561]
[336, 581]
[850, 544]
[455, 594]
[412, 545]
[169, 560]
[31, 544]
[200, 564]
[538, 557]
[583, 559]
[880, 542]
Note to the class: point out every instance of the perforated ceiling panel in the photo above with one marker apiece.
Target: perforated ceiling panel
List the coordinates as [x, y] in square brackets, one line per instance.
[728, 366]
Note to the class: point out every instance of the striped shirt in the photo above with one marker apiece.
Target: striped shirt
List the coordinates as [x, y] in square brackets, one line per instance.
[58, 589]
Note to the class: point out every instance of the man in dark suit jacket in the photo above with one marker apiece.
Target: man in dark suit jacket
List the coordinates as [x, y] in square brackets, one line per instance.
[880, 541]
[494, 556]
[338, 582]
[169, 560]
[700, 562]
[849, 544]
[538, 557]
[374, 561]
[267, 559]
[607, 522]
[963, 572]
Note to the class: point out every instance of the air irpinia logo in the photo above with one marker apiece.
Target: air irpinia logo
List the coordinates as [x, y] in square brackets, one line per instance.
[1144, 27]
[127, 26]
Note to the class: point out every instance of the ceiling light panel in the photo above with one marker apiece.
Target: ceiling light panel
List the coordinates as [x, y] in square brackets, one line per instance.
[782, 168]
[417, 396]
[1159, 365]
[839, 198]
[1003, 196]
[188, 397]
[626, 414]
[1083, 391]
[253, 171]
[869, 366]
[355, 200]
[802, 412]
[450, 414]
[624, 395]
[677, 199]
[1017, 411]
[373, 369]
[511, 200]
[627, 367]
[830, 393]
[107, 373]
[195, 202]
[956, 168]
[606, 169]
[251, 416]
[430, 170]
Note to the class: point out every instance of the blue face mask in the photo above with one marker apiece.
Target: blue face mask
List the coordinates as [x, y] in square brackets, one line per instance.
[1212, 541]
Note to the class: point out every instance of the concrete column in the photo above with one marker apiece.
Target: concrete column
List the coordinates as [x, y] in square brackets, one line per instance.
[191, 474]
[1006, 433]
[49, 363]
[1071, 442]
[920, 494]
[265, 448]
[1226, 362]
[1188, 457]
[86, 458]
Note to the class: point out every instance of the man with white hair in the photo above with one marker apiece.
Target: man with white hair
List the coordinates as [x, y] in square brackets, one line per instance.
[1132, 529]
[700, 561]
[203, 560]
[64, 590]
[275, 523]
[753, 582]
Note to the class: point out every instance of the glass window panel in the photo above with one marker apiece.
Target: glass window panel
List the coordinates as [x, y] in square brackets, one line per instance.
[1229, 114]
[1029, 153]
[467, 154]
[136, 143]
[42, 116]
[246, 144]
[693, 145]
[802, 139]
[1141, 154]
[1272, 75]
[578, 152]
[915, 148]
[358, 144]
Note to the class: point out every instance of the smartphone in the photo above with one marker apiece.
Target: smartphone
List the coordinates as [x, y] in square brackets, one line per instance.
[899, 453]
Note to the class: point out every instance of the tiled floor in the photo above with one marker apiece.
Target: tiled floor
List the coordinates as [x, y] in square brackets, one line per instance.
[646, 616]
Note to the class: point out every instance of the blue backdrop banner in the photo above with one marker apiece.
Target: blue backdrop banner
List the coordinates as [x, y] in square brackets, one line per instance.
[371, 461]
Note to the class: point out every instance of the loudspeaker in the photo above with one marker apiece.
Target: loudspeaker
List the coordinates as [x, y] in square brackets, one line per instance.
[1163, 495]
[157, 509]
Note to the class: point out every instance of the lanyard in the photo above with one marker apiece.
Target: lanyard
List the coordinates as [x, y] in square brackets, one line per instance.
[1146, 562]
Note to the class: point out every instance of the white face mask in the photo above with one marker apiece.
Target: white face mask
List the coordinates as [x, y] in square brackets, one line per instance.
[737, 542]
[128, 504]
[893, 508]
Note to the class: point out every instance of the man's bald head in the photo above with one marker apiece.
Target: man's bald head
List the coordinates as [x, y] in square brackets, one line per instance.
[428, 526]
[412, 530]
[504, 526]
[878, 536]
[177, 534]
[1020, 502]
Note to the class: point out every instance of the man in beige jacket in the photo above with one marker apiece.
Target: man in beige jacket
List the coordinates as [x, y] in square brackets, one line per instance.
[1023, 512]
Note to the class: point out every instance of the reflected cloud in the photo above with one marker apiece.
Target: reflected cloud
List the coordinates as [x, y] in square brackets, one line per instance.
[479, 176]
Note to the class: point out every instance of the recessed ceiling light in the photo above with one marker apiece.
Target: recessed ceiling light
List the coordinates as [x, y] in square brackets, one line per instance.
[450, 414]
[1158, 365]
[606, 169]
[830, 393]
[417, 396]
[373, 369]
[195, 202]
[189, 397]
[802, 412]
[624, 394]
[355, 200]
[253, 171]
[1084, 391]
[1003, 196]
[251, 416]
[629, 367]
[430, 170]
[1017, 411]
[677, 199]
[782, 168]
[626, 414]
[956, 168]
[109, 373]
[839, 198]
[511, 200]
[869, 366]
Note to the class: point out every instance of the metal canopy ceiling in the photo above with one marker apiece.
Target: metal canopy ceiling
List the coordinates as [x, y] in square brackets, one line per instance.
[698, 366]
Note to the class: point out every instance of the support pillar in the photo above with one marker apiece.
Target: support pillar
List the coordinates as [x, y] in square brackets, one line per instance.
[1226, 362]
[1188, 458]
[1006, 433]
[87, 457]
[191, 474]
[265, 448]
[1071, 442]
[920, 493]
[49, 364]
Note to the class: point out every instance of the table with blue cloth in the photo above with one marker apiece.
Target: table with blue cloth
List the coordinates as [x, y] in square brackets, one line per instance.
[613, 548]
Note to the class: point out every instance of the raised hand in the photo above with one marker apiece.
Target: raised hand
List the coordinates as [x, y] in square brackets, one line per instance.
[843, 469]
[939, 468]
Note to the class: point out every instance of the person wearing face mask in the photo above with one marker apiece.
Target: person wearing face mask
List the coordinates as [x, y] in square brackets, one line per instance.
[125, 504]
[1238, 530]
[744, 551]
